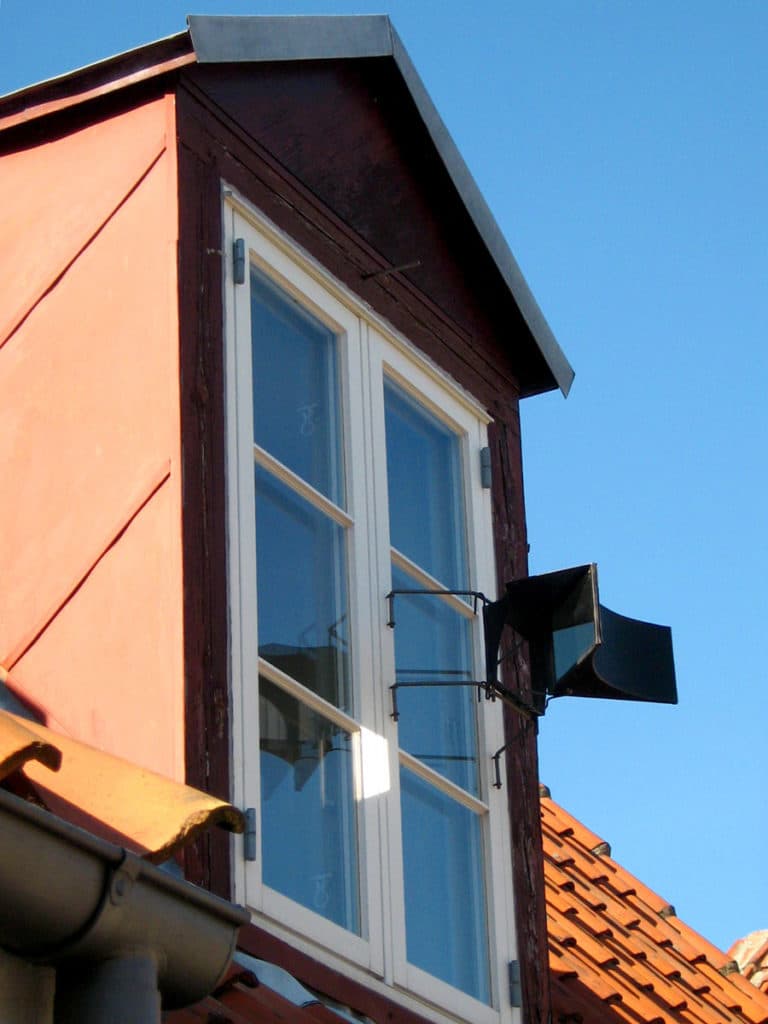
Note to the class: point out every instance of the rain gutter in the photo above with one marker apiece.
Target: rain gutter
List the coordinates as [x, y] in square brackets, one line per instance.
[124, 936]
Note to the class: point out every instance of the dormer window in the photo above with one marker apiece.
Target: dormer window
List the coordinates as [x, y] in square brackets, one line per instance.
[354, 469]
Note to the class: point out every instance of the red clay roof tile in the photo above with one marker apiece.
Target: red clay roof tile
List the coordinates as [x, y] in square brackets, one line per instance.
[613, 941]
[18, 745]
[110, 797]
[751, 955]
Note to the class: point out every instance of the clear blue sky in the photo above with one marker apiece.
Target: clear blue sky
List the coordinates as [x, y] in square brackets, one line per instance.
[623, 147]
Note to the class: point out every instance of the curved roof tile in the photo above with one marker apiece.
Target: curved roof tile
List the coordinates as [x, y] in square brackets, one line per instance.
[613, 942]
[112, 798]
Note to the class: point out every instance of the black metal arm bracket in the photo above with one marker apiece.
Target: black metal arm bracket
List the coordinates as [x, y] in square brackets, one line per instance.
[490, 689]
[476, 595]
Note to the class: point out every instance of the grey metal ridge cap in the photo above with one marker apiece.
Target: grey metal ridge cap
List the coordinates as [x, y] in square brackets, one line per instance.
[317, 37]
[225, 38]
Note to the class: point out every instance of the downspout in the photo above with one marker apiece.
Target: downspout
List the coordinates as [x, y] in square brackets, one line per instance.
[124, 936]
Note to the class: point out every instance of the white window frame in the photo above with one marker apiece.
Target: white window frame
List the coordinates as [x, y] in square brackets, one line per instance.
[369, 350]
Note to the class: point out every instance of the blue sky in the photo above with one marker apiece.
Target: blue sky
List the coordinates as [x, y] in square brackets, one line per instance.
[622, 146]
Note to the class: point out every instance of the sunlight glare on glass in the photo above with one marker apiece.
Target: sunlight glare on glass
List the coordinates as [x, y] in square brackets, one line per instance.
[375, 760]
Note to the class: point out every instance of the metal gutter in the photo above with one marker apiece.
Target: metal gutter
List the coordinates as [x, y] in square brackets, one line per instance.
[111, 923]
[257, 39]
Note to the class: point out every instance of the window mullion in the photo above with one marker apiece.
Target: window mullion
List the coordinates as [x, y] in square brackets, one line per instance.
[242, 553]
[383, 666]
[356, 406]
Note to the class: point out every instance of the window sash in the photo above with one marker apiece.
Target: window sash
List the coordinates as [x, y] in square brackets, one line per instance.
[369, 352]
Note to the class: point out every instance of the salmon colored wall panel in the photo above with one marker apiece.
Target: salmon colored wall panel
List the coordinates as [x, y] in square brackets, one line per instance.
[89, 424]
[55, 196]
[86, 412]
[105, 663]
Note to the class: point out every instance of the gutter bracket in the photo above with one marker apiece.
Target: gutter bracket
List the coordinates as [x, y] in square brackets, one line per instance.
[123, 879]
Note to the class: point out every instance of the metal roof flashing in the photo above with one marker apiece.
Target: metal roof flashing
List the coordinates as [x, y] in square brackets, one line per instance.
[234, 39]
[225, 39]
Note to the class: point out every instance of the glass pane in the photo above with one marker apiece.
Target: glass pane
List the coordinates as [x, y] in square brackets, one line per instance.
[302, 590]
[443, 855]
[437, 723]
[295, 388]
[426, 496]
[308, 810]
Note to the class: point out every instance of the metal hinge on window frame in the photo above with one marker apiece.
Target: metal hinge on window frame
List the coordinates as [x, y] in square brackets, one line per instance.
[485, 468]
[238, 261]
[249, 835]
[515, 984]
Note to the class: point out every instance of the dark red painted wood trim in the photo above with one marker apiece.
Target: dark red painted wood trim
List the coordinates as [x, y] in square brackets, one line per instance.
[521, 755]
[206, 655]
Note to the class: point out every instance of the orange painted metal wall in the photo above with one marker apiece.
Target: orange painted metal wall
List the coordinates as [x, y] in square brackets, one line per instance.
[90, 516]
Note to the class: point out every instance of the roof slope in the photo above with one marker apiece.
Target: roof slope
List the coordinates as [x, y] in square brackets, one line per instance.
[617, 950]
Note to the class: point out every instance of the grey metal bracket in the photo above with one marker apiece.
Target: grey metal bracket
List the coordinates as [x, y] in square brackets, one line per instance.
[249, 835]
[485, 468]
[515, 984]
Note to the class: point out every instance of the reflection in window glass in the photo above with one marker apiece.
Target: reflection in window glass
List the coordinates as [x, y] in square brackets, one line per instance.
[442, 855]
[308, 810]
[426, 496]
[302, 591]
[295, 388]
[437, 724]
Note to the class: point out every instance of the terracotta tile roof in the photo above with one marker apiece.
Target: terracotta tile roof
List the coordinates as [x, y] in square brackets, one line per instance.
[112, 798]
[617, 951]
[751, 954]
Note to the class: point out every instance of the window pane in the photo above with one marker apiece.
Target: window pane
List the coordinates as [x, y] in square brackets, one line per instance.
[295, 388]
[437, 723]
[442, 855]
[426, 499]
[302, 590]
[308, 810]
